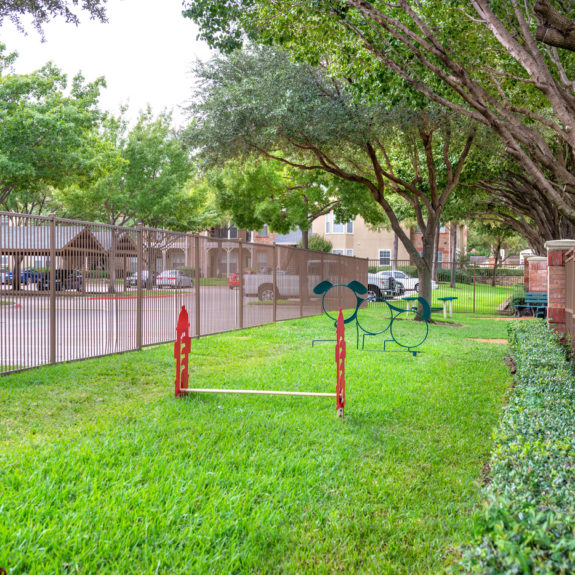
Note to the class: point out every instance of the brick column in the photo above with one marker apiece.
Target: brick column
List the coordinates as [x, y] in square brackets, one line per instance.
[556, 282]
[535, 274]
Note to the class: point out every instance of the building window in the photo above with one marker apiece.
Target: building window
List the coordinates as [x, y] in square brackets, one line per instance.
[334, 227]
[439, 259]
[349, 253]
[384, 257]
[263, 232]
[337, 252]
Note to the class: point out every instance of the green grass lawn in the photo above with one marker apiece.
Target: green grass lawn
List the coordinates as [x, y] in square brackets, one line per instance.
[487, 298]
[102, 470]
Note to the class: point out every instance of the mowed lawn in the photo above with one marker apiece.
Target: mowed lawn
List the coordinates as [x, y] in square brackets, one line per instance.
[483, 299]
[102, 470]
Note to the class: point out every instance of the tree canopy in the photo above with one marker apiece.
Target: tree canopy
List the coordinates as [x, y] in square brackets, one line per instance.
[48, 133]
[148, 184]
[42, 11]
[481, 60]
[259, 102]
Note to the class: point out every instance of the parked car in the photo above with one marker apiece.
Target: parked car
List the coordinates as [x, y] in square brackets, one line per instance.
[381, 286]
[26, 276]
[132, 279]
[174, 279]
[404, 282]
[65, 280]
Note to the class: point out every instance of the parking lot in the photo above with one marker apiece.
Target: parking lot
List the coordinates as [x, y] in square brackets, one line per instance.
[98, 323]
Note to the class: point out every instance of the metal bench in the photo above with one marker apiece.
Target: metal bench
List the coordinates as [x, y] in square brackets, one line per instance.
[535, 305]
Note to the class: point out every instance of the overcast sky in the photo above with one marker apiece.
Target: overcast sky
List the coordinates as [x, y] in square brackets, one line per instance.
[145, 52]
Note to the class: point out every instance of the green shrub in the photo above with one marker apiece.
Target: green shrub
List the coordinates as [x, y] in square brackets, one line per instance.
[318, 244]
[463, 277]
[488, 272]
[528, 524]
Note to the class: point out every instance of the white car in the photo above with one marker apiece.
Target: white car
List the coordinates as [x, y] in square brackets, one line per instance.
[174, 279]
[404, 282]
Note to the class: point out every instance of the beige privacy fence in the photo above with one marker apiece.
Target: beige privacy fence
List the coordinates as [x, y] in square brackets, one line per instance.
[72, 290]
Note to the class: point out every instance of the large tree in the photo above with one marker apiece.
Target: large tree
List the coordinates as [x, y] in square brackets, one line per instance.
[478, 58]
[48, 134]
[149, 183]
[258, 191]
[258, 101]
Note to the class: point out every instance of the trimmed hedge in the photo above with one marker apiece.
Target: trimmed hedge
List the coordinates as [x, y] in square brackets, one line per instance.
[528, 524]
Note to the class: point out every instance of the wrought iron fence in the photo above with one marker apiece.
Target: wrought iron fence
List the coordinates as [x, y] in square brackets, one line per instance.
[485, 289]
[71, 290]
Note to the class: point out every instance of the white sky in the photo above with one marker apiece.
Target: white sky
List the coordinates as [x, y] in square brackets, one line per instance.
[145, 52]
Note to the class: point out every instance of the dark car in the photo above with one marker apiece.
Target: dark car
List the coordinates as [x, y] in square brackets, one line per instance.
[65, 280]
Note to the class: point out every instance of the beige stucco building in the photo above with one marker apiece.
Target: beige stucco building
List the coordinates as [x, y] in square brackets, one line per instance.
[357, 239]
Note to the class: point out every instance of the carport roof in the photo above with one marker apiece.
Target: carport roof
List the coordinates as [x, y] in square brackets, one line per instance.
[36, 239]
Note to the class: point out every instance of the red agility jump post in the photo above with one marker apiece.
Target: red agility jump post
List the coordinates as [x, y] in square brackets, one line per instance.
[182, 352]
[340, 362]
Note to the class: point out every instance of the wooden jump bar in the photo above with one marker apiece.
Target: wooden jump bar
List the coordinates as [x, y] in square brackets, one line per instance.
[258, 392]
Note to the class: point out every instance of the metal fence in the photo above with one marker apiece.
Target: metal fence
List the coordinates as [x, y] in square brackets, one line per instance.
[486, 290]
[71, 290]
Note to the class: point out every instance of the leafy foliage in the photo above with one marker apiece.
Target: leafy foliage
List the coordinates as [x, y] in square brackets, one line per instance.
[481, 59]
[149, 182]
[529, 519]
[383, 163]
[319, 244]
[42, 11]
[48, 133]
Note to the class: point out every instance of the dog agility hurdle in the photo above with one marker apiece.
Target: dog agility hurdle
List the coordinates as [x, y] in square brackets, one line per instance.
[182, 348]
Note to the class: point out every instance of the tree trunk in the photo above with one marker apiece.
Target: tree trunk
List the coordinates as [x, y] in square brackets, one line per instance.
[496, 257]
[16, 281]
[425, 270]
[435, 252]
[305, 239]
[394, 252]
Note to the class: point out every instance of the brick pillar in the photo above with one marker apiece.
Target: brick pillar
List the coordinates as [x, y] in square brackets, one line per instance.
[556, 282]
[535, 274]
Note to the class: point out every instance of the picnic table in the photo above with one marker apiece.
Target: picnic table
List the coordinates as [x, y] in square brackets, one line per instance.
[408, 305]
[445, 300]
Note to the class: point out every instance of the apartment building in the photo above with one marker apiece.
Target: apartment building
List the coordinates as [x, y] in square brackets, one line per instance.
[356, 238]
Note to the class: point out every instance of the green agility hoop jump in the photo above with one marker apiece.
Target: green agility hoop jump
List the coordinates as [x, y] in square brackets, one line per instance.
[381, 318]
